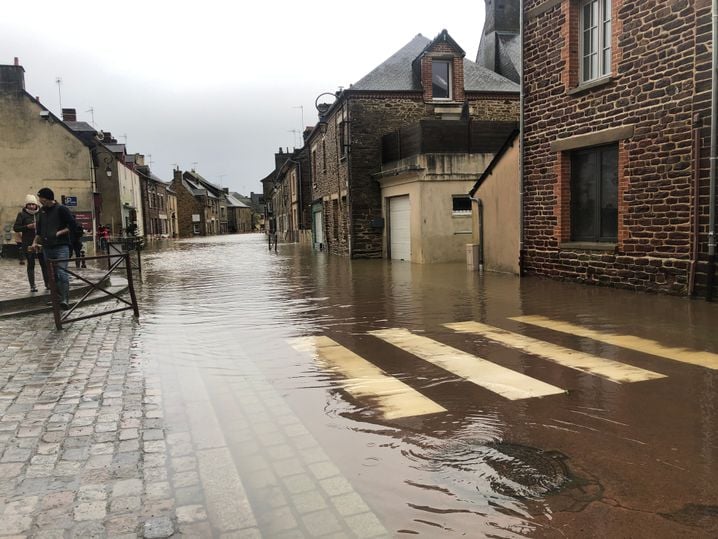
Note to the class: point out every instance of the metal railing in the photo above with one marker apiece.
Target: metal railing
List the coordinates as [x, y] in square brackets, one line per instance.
[126, 245]
[65, 317]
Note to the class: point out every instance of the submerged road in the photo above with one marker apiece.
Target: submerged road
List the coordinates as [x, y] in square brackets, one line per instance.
[301, 395]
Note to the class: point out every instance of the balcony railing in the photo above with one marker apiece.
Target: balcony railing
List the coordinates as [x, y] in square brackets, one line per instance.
[445, 136]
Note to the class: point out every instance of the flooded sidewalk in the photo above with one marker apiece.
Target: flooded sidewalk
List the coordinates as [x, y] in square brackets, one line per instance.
[301, 395]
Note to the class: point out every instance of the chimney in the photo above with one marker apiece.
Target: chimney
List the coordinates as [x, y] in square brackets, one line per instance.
[69, 115]
[177, 174]
[107, 137]
[12, 78]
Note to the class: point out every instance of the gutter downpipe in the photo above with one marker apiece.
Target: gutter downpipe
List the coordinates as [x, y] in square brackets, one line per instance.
[481, 231]
[521, 144]
[713, 157]
[695, 225]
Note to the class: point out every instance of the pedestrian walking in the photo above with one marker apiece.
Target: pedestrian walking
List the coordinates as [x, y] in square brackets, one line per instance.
[54, 227]
[76, 245]
[25, 225]
[104, 234]
[18, 243]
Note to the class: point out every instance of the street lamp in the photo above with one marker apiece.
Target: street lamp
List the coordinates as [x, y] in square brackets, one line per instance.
[323, 108]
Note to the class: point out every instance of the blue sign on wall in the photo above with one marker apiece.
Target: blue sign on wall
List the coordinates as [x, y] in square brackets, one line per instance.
[70, 201]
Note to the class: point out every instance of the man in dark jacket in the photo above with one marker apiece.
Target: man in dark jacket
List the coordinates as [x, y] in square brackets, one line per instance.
[53, 233]
[25, 224]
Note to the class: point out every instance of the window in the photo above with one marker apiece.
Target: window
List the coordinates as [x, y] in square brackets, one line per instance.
[460, 204]
[440, 77]
[595, 21]
[343, 139]
[314, 168]
[594, 194]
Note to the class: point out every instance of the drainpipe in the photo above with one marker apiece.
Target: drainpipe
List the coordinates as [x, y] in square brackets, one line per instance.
[695, 225]
[521, 142]
[714, 144]
[481, 231]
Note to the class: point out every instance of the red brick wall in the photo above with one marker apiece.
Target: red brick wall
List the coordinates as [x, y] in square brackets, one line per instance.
[658, 52]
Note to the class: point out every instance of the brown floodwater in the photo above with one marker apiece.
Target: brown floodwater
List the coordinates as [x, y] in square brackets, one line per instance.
[601, 459]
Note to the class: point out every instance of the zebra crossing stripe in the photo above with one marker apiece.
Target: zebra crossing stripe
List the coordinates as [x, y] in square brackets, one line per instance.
[614, 371]
[364, 380]
[631, 342]
[505, 382]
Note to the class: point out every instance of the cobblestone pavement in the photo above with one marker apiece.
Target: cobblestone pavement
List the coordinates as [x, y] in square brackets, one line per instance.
[14, 285]
[88, 450]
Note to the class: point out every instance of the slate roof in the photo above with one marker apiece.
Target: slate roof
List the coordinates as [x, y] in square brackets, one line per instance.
[116, 148]
[235, 203]
[81, 127]
[396, 74]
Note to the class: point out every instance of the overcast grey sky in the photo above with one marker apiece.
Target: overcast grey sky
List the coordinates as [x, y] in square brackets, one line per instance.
[216, 83]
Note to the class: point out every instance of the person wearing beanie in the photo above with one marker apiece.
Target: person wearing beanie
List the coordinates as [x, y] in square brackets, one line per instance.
[53, 233]
[25, 225]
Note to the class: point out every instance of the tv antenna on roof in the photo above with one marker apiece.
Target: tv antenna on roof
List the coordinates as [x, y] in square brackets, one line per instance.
[91, 110]
[58, 81]
[295, 136]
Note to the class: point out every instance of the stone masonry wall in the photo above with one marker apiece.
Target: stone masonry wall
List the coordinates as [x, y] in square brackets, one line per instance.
[652, 88]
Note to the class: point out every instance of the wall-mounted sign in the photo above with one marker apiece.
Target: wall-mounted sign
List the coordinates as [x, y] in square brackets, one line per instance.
[195, 217]
[84, 218]
[70, 201]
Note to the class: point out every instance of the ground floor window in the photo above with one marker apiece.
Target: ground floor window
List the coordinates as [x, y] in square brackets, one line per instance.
[594, 194]
[460, 204]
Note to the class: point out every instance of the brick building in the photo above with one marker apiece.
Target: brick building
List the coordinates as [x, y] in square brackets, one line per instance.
[616, 116]
[425, 79]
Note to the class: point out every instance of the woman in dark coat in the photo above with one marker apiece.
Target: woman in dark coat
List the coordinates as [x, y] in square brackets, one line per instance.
[25, 224]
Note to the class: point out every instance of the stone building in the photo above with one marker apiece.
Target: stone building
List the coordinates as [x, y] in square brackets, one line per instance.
[425, 79]
[617, 115]
[198, 208]
[159, 221]
[37, 149]
[291, 196]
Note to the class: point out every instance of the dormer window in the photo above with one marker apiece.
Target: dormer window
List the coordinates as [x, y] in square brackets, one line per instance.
[441, 79]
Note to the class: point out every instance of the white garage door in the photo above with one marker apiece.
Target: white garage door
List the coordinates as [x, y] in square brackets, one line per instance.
[399, 228]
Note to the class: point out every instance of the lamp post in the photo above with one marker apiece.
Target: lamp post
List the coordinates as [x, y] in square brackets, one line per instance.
[323, 108]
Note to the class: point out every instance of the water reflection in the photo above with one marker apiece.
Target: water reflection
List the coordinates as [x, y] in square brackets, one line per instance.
[225, 308]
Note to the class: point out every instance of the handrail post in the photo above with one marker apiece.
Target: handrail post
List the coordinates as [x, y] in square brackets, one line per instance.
[53, 293]
[130, 284]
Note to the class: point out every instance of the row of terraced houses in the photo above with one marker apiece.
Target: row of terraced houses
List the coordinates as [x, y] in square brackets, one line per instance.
[105, 186]
[576, 146]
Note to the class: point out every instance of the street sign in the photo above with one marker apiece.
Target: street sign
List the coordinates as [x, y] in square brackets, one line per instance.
[70, 201]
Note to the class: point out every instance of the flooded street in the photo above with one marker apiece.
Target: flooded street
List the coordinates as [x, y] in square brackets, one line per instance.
[310, 395]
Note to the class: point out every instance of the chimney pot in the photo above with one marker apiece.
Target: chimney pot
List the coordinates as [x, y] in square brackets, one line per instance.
[69, 115]
[17, 61]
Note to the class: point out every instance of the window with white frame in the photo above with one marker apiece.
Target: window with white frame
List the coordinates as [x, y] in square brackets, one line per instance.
[441, 79]
[595, 51]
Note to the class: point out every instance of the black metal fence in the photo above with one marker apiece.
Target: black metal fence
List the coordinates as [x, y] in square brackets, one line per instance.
[115, 262]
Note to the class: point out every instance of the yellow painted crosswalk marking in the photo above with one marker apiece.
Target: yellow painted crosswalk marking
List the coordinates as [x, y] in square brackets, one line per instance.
[394, 399]
[507, 383]
[581, 361]
[631, 342]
